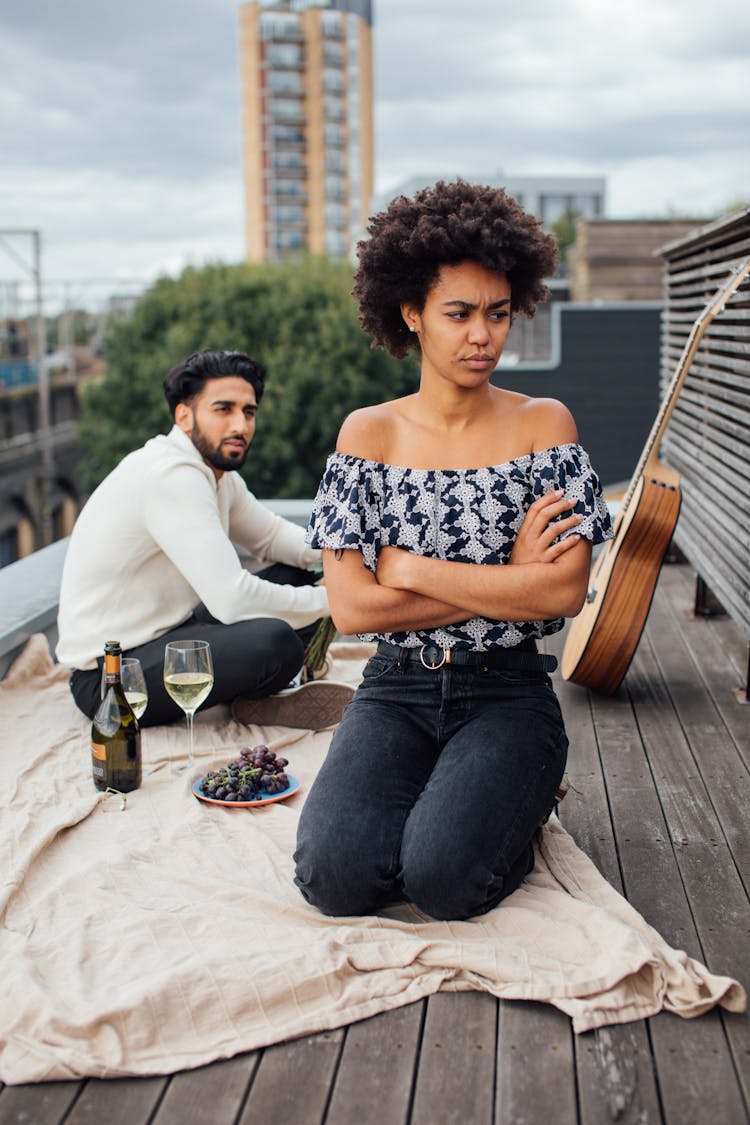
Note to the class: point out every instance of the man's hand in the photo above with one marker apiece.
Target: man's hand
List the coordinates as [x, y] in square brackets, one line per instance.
[536, 537]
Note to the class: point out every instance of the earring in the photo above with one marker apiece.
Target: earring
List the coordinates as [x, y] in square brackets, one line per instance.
[412, 328]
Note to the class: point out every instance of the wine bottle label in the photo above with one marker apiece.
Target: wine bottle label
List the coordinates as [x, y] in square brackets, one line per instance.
[99, 751]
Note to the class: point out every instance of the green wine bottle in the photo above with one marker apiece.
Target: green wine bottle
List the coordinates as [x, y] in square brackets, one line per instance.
[115, 734]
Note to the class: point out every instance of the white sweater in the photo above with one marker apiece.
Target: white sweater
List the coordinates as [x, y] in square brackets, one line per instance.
[156, 538]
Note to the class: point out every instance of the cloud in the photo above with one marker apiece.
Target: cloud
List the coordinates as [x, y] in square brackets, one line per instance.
[579, 86]
[122, 132]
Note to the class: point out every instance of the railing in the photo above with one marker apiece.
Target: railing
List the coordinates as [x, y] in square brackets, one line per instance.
[29, 589]
[708, 436]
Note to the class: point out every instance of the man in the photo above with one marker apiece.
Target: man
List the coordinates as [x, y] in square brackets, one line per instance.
[151, 559]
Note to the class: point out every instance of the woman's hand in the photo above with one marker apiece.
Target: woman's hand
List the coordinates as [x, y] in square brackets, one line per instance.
[392, 569]
[537, 535]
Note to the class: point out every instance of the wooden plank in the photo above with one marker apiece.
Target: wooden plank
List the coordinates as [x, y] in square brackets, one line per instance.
[209, 1093]
[117, 1101]
[700, 764]
[616, 1078]
[719, 653]
[39, 1103]
[536, 1078]
[697, 1079]
[377, 1070]
[585, 810]
[713, 753]
[456, 1070]
[293, 1081]
[654, 886]
[614, 1065]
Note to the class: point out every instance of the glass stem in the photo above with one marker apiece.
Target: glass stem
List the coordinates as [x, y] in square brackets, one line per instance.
[189, 717]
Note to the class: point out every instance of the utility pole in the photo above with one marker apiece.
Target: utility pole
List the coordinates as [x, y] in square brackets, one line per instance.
[45, 431]
[34, 270]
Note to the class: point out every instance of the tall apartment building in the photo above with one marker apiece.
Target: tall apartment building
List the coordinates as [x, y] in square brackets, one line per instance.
[307, 109]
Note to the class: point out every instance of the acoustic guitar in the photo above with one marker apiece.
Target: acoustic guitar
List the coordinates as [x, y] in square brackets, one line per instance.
[603, 637]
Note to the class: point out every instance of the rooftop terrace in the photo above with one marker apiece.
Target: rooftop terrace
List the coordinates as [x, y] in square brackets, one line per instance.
[659, 801]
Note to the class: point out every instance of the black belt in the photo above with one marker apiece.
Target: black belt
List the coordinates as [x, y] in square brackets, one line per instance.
[520, 658]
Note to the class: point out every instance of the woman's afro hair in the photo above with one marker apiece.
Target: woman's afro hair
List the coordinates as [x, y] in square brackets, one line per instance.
[444, 225]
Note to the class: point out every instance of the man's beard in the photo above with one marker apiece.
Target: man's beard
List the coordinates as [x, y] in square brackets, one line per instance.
[213, 454]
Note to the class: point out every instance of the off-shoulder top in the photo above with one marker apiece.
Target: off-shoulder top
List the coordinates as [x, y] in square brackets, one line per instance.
[462, 515]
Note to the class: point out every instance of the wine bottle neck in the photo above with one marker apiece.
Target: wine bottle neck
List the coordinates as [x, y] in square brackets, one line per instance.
[112, 668]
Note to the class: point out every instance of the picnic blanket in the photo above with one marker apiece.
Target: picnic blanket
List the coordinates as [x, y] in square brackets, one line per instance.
[170, 934]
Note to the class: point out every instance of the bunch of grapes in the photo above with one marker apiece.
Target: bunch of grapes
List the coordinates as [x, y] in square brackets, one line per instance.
[256, 769]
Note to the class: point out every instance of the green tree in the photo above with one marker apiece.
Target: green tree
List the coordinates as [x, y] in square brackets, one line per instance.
[297, 318]
[564, 230]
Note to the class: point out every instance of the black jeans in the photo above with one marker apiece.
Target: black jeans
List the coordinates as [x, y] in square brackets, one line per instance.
[434, 786]
[253, 658]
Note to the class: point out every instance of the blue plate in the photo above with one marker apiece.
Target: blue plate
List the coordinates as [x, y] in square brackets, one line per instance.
[262, 797]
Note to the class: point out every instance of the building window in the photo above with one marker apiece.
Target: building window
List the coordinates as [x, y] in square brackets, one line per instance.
[332, 25]
[293, 161]
[334, 108]
[280, 25]
[287, 213]
[286, 109]
[285, 54]
[334, 134]
[336, 214]
[288, 187]
[335, 188]
[333, 54]
[284, 82]
[587, 206]
[553, 207]
[287, 134]
[333, 81]
[335, 244]
[286, 240]
[335, 161]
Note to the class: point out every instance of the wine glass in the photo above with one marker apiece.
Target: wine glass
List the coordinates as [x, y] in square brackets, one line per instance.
[133, 684]
[188, 678]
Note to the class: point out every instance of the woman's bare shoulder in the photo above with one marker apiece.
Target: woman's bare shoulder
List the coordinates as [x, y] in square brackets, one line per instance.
[548, 422]
[365, 432]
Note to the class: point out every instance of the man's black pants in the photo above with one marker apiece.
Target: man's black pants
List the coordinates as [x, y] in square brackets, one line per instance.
[252, 658]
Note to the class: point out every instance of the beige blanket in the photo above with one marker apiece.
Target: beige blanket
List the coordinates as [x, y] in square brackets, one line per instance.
[170, 934]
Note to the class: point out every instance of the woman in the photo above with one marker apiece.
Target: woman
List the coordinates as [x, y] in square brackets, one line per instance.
[456, 525]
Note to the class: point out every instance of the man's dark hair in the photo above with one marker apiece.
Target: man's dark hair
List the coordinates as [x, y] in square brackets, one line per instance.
[444, 225]
[188, 378]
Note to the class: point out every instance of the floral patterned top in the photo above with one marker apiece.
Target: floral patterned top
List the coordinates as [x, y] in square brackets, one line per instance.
[463, 515]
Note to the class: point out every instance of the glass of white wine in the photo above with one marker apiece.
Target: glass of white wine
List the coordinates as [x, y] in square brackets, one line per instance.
[133, 684]
[188, 678]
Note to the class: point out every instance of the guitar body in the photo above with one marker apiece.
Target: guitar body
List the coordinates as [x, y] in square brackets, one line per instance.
[602, 639]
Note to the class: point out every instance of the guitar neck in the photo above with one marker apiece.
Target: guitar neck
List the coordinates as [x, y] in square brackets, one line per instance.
[714, 307]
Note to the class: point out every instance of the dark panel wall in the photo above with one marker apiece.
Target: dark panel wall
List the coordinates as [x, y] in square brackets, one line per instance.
[608, 375]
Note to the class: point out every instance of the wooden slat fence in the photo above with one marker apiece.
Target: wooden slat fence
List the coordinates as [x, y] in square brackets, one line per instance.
[708, 436]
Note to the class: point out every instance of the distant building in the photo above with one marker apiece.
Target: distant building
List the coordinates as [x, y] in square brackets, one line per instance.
[547, 197]
[307, 109]
[617, 259]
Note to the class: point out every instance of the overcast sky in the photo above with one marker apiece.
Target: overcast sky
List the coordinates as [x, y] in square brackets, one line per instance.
[121, 122]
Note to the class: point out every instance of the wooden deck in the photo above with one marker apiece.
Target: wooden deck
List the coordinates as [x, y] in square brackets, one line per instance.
[661, 802]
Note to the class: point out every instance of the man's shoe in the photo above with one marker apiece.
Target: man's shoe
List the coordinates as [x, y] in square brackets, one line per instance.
[315, 705]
